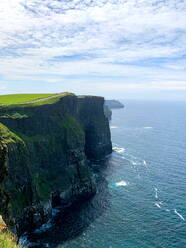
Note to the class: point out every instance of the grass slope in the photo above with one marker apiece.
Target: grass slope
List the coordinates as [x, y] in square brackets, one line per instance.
[28, 100]
[22, 98]
[7, 240]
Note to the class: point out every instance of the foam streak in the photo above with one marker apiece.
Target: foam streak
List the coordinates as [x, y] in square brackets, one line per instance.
[156, 193]
[176, 212]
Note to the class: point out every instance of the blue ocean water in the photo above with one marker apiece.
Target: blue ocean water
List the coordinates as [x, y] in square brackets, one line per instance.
[141, 201]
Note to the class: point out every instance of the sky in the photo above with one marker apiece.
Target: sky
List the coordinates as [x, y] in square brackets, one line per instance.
[115, 48]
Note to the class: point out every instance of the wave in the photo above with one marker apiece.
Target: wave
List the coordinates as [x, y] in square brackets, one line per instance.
[118, 149]
[136, 162]
[176, 212]
[113, 127]
[157, 204]
[156, 193]
[23, 241]
[133, 161]
[122, 183]
[147, 127]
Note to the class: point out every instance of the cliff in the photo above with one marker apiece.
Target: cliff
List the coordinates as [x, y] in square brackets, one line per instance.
[45, 153]
[113, 104]
[107, 112]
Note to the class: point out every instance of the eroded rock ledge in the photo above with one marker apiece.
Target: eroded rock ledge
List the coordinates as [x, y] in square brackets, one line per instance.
[44, 157]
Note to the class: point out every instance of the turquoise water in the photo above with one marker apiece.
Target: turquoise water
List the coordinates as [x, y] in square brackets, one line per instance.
[142, 202]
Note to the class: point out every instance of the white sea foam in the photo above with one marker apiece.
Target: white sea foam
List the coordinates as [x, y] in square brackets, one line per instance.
[157, 204]
[112, 127]
[176, 212]
[156, 193]
[118, 149]
[147, 127]
[134, 163]
[122, 183]
[23, 241]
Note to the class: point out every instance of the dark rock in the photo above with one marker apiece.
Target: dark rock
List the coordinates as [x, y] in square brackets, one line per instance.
[107, 112]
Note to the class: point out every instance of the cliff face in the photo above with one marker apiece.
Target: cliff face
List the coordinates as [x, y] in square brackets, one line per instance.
[96, 126]
[107, 112]
[44, 154]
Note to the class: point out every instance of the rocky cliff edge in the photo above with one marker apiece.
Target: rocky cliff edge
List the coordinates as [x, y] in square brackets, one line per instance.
[45, 154]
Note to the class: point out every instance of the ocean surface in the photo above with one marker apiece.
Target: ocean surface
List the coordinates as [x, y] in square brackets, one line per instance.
[141, 200]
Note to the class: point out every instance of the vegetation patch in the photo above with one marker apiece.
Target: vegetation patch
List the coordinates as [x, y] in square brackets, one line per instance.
[21, 98]
[74, 132]
[7, 239]
[7, 136]
[29, 100]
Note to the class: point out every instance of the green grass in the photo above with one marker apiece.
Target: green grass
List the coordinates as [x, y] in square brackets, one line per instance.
[7, 136]
[7, 240]
[22, 98]
[29, 100]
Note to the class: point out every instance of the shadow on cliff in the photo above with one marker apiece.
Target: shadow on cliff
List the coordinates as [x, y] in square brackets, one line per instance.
[79, 217]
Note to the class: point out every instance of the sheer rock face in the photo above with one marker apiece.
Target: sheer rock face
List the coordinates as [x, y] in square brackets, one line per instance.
[45, 154]
[3, 174]
[108, 112]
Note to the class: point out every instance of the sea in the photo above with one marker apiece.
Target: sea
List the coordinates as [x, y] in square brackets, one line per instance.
[141, 197]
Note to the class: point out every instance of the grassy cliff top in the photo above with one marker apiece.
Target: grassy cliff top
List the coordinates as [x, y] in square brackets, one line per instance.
[17, 100]
[21, 98]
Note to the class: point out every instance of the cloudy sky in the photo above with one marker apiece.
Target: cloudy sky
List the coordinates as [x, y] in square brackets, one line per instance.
[120, 48]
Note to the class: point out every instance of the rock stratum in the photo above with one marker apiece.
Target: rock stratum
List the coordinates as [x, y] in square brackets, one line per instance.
[45, 154]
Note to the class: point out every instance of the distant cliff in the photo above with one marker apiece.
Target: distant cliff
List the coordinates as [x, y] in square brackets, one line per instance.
[113, 104]
[45, 149]
[109, 105]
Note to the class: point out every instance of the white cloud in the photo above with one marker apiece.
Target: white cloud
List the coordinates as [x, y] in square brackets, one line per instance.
[141, 40]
